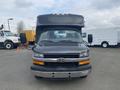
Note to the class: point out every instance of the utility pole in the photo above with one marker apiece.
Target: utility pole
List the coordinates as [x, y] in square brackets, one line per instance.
[9, 23]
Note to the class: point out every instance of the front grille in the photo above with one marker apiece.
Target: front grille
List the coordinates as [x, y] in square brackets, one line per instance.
[61, 56]
[65, 64]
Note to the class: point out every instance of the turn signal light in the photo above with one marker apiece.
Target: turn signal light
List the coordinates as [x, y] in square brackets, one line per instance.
[36, 62]
[84, 62]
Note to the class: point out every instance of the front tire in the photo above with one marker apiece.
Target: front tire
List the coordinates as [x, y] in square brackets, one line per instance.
[9, 45]
[104, 44]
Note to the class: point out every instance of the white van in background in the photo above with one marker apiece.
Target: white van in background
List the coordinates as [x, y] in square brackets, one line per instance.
[104, 37]
[8, 40]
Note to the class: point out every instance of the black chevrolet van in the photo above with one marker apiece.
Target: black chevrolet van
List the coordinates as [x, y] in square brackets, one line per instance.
[60, 51]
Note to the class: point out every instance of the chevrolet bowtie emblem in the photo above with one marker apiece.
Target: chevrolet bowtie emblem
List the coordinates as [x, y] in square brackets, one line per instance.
[61, 60]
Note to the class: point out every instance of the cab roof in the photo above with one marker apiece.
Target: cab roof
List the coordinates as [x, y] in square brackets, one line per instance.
[60, 19]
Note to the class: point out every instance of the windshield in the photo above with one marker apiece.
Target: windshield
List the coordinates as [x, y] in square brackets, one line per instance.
[60, 36]
[8, 33]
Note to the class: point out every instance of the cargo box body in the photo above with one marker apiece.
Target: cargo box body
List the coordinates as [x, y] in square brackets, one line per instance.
[30, 35]
[110, 36]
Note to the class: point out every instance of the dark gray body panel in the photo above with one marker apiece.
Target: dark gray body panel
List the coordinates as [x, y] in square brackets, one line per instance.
[67, 19]
[60, 49]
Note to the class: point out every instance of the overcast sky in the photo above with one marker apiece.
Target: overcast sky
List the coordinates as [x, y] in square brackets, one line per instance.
[97, 13]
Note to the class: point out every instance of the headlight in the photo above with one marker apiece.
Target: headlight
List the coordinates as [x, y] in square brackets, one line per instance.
[84, 53]
[38, 55]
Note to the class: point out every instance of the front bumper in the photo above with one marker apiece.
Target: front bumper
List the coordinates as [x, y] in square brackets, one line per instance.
[44, 72]
[72, 74]
[16, 44]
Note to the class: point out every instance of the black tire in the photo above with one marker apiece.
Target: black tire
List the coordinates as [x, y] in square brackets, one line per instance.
[105, 44]
[9, 45]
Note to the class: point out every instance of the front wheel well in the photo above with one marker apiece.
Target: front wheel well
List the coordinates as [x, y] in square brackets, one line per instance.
[8, 41]
[105, 42]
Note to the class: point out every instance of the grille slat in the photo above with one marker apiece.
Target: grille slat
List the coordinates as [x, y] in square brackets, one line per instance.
[59, 64]
[61, 56]
[65, 64]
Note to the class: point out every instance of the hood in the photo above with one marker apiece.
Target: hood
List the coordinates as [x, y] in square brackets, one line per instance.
[13, 38]
[60, 49]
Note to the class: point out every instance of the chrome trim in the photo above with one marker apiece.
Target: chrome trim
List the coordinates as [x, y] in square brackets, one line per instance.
[66, 74]
[57, 59]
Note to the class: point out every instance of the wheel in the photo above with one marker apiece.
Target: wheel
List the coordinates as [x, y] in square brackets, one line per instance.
[105, 45]
[9, 45]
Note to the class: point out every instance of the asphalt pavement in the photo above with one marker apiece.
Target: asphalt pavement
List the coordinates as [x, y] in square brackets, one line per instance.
[15, 73]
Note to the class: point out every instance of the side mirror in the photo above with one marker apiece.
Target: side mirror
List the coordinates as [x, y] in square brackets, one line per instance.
[2, 35]
[34, 47]
[90, 38]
